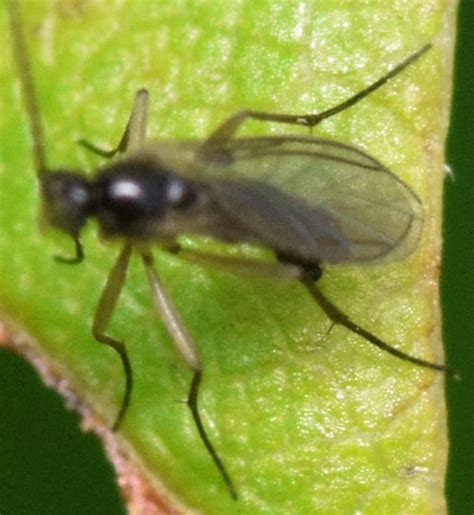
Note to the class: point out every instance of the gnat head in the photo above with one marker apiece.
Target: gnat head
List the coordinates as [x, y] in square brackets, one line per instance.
[67, 200]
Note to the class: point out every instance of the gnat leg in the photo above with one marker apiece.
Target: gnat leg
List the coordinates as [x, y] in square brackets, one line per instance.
[242, 266]
[339, 317]
[227, 129]
[193, 406]
[104, 311]
[186, 348]
[134, 136]
[78, 258]
[289, 269]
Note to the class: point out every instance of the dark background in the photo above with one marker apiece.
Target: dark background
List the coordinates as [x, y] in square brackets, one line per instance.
[458, 272]
[48, 466]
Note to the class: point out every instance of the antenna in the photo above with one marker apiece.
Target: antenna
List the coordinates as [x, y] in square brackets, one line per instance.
[30, 100]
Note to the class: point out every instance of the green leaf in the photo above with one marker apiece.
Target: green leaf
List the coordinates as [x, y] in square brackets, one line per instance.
[307, 418]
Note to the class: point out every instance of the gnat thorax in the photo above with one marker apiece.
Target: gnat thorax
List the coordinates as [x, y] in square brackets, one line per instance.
[67, 200]
[133, 196]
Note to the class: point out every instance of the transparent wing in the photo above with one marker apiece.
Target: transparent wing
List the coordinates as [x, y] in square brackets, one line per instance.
[315, 199]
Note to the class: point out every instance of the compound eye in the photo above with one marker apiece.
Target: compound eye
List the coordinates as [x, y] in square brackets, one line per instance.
[179, 194]
[67, 200]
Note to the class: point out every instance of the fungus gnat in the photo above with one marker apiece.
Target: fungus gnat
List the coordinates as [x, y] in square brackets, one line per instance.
[312, 201]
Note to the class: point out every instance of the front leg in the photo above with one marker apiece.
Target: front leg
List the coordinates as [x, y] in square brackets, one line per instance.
[104, 311]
